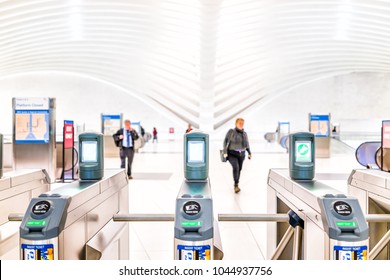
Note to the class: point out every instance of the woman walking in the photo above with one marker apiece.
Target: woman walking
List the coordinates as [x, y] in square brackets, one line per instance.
[235, 146]
[154, 135]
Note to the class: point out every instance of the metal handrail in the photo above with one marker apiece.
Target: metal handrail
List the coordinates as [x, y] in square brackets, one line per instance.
[371, 218]
[15, 217]
[378, 218]
[253, 217]
[379, 246]
[143, 218]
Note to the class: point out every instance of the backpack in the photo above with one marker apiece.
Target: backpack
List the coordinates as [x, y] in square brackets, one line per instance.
[117, 143]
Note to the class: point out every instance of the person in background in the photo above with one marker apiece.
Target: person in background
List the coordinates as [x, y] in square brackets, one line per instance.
[189, 128]
[235, 146]
[124, 139]
[154, 134]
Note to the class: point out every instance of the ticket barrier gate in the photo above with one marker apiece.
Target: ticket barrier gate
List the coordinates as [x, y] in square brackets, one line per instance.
[195, 250]
[16, 190]
[74, 221]
[41, 227]
[347, 232]
[294, 230]
[196, 231]
[346, 227]
[372, 188]
[367, 154]
[197, 234]
[321, 225]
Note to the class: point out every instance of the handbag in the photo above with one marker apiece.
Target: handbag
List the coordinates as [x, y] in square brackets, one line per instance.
[223, 158]
[221, 152]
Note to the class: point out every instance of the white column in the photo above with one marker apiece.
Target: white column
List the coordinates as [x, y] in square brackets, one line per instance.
[208, 48]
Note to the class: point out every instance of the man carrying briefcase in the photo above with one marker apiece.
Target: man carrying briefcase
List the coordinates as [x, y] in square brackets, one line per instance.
[124, 139]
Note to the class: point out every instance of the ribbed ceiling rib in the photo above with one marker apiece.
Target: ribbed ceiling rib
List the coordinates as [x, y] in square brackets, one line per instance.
[200, 61]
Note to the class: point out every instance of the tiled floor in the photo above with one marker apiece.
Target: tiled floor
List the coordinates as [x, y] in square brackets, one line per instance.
[158, 175]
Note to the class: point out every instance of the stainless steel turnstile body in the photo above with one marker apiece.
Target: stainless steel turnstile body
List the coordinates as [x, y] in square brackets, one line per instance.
[284, 194]
[16, 190]
[89, 231]
[372, 189]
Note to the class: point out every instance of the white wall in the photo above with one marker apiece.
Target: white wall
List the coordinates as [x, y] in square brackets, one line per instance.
[358, 101]
[81, 99]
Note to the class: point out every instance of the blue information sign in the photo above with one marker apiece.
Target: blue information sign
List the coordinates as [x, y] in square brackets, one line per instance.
[111, 124]
[320, 125]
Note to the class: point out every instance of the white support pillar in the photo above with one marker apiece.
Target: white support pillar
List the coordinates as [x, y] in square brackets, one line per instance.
[208, 52]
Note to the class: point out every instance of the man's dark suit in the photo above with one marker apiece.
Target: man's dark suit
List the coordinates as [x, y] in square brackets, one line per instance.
[125, 152]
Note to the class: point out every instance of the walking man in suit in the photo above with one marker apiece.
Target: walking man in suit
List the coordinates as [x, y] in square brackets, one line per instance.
[124, 138]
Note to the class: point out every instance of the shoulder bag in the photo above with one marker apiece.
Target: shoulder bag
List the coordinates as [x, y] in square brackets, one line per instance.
[221, 152]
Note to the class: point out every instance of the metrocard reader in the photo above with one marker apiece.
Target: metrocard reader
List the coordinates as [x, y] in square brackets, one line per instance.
[43, 222]
[196, 155]
[302, 156]
[91, 149]
[194, 229]
[346, 227]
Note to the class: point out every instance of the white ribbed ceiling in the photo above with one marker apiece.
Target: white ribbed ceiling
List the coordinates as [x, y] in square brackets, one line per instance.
[201, 61]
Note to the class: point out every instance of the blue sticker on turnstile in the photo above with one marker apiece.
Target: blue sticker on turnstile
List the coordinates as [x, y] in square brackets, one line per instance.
[38, 252]
[193, 253]
[350, 252]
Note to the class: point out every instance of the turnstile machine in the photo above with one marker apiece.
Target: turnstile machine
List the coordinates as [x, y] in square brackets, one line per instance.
[345, 226]
[194, 230]
[325, 229]
[372, 189]
[74, 221]
[42, 225]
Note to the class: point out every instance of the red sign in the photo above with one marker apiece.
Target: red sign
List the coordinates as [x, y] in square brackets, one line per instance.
[68, 134]
[171, 130]
[386, 134]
